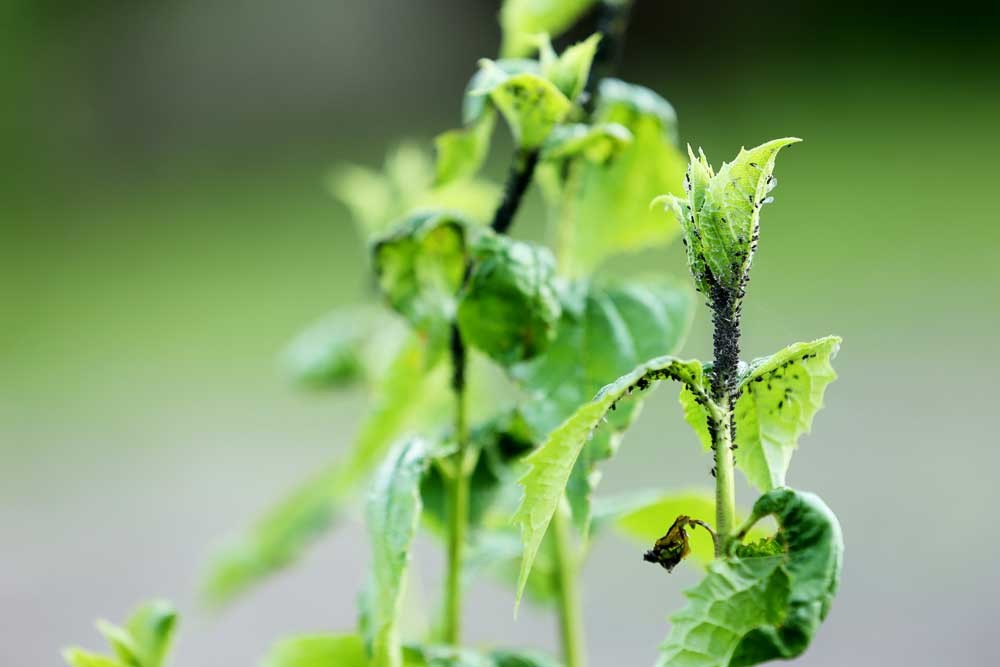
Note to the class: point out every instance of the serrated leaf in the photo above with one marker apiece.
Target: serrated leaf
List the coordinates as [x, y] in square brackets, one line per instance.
[551, 464]
[420, 267]
[720, 213]
[604, 332]
[618, 189]
[644, 517]
[750, 610]
[143, 641]
[392, 515]
[597, 143]
[569, 70]
[509, 307]
[778, 398]
[522, 20]
[318, 651]
[409, 388]
[531, 105]
[461, 152]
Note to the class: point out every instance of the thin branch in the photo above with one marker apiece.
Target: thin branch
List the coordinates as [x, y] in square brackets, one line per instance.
[522, 170]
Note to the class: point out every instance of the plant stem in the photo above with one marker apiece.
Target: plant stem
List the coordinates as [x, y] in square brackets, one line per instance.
[725, 305]
[570, 622]
[522, 170]
[458, 497]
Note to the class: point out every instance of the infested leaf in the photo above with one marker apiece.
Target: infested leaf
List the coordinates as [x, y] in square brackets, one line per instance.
[551, 464]
[778, 398]
[318, 651]
[753, 609]
[509, 307]
[596, 192]
[408, 391]
[392, 515]
[523, 20]
[604, 332]
[531, 105]
[720, 213]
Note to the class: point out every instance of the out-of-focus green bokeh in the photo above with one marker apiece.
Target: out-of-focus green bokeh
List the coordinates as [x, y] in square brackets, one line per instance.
[164, 229]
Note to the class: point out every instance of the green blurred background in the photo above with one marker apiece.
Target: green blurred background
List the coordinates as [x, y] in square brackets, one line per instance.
[164, 230]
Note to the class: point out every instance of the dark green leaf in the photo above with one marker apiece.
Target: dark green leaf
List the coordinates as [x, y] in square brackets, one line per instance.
[750, 610]
[318, 651]
[551, 464]
[509, 307]
[392, 515]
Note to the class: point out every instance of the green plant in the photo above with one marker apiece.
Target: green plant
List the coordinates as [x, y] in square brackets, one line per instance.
[484, 382]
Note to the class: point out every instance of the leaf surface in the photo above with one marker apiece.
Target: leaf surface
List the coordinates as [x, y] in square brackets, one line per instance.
[143, 641]
[552, 463]
[318, 651]
[522, 20]
[750, 610]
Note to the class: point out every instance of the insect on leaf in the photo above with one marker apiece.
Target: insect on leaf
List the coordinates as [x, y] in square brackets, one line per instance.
[531, 104]
[552, 463]
[753, 609]
[778, 398]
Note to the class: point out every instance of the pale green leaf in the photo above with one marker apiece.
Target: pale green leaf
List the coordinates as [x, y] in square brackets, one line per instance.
[143, 641]
[409, 390]
[531, 105]
[720, 213]
[569, 70]
[491, 73]
[750, 610]
[392, 516]
[421, 266]
[645, 517]
[697, 417]
[77, 657]
[523, 20]
[602, 208]
[509, 307]
[551, 464]
[461, 152]
[778, 398]
[318, 651]
[596, 143]
[603, 334]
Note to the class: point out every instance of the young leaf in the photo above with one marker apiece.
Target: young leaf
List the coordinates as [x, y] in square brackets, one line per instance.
[532, 105]
[318, 651]
[420, 268]
[645, 517]
[460, 153]
[408, 389]
[522, 20]
[596, 143]
[475, 102]
[509, 307]
[750, 610]
[551, 464]
[595, 193]
[778, 398]
[604, 332]
[570, 70]
[720, 215]
[143, 642]
[392, 515]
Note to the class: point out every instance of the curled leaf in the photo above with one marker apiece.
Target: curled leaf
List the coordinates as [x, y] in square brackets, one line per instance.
[669, 550]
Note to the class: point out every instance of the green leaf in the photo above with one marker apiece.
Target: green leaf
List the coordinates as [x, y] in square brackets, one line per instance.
[750, 610]
[570, 70]
[604, 332]
[475, 102]
[143, 641]
[602, 207]
[551, 464]
[645, 517]
[531, 104]
[393, 515]
[509, 307]
[432, 655]
[460, 153]
[318, 651]
[408, 391]
[498, 552]
[597, 143]
[778, 398]
[720, 214]
[420, 268]
[523, 20]
[329, 354]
